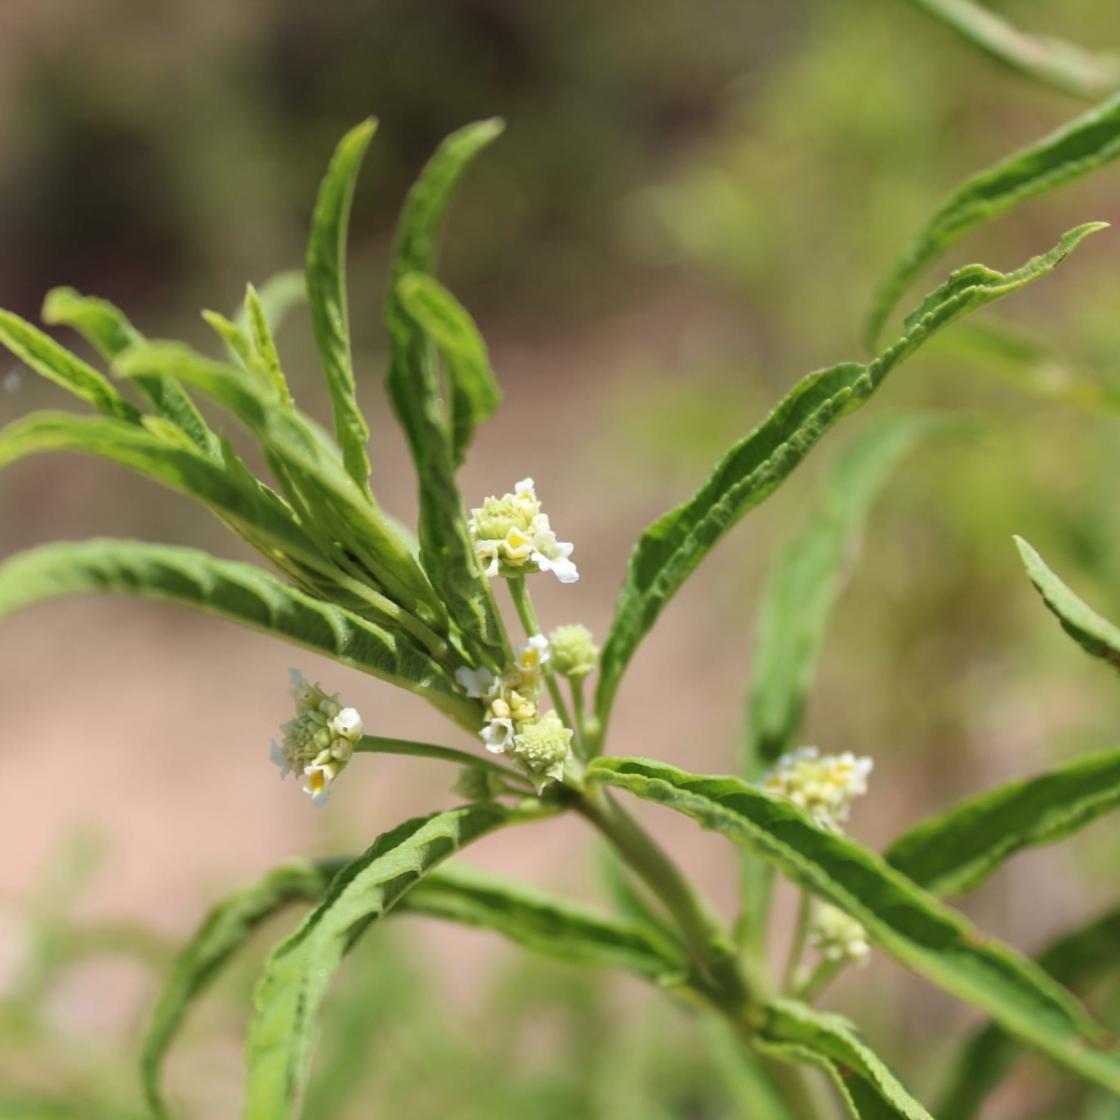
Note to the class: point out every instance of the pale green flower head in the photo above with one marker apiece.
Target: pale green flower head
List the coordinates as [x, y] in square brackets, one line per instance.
[574, 652]
[541, 747]
[823, 785]
[319, 741]
[838, 936]
[513, 538]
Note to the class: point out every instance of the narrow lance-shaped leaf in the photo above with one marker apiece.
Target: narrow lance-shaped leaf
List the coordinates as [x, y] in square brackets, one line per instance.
[236, 591]
[326, 291]
[278, 295]
[1094, 634]
[227, 488]
[543, 923]
[1076, 959]
[1077, 148]
[474, 391]
[264, 345]
[227, 927]
[42, 354]
[108, 331]
[1064, 66]
[805, 581]
[295, 980]
[445, 545]
[307, 467]
[956, 852]
[900, 917]
[671, 548]
[795, 1032]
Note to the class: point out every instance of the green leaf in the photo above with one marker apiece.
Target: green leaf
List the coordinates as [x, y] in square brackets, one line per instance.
[238, 345]
[1077, 959]
[307, 466]
[326, 290]
[239, 500]
[475, 394]
[795, 1032]
[264, 345]
[672, 547]
[1077, 148]
[543, 923]
[1058, 64]
[109, 332]
[278, 295]
[240, 592]
[226, 928]
[900, 917]
[446, 549]
[1092, 633]
[42, 354]
[956, 852]
[295, 980]
[805, 581]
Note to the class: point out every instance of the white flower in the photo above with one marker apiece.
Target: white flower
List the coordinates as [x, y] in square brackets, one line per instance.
[319, 741]
[497, 733]
[531, 657]
[512, 536]
[838, 936]
[476, 683]
[823, 785]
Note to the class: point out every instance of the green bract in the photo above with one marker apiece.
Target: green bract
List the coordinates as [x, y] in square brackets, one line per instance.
[353, 585]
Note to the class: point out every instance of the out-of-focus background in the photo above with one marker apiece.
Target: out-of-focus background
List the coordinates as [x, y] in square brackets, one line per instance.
[688, 210]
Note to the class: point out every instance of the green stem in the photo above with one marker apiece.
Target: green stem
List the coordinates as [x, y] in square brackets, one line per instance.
[819, 979]
[375, 744]
[800, 935]
[578, 713]
[705, 940]
[523, 604]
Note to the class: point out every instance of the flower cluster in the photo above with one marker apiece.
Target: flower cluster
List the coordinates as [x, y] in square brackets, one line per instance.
[319, 741]
[574, 653]
[515, 726]
[512, 537]
[823, 785]
[837, 936]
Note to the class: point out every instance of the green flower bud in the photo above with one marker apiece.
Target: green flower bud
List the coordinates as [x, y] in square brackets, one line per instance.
[542, 747]
[574, 652]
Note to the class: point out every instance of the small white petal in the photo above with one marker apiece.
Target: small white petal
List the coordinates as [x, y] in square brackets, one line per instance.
[525, 486]
[347, 724]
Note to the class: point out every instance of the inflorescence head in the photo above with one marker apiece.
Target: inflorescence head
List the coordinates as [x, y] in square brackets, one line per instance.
[823, 785]
[512, 537]
[319, 741]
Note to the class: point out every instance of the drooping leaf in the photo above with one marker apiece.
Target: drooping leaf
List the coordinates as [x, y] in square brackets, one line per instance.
[226, 928]
[243, 503]
[295, 980]
[543, 923]
[264, 345]
[446, 549]
[42, 354]
[1076, 959]
[805, 582]
[793, 1031]
[956, 852]
[1094, 634]
[1084, 144]
[1061, 65]
[326, 291]
[900, 917]
[236, 591]
[671, 548]
[308, 468]
[475, 395]
[108, 331]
